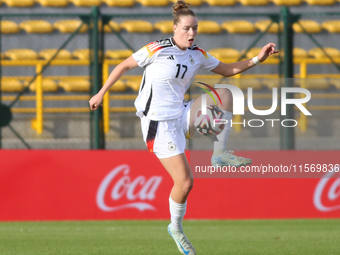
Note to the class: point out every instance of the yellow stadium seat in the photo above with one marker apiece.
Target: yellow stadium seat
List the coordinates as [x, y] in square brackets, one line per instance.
[69, 26]
[313, 83]
[297, 53]
[221, 53]
[36, 26]
[86, 3]
[108, 27]
[75, 85]
[192, 2]
[287, 2]
[165, 26]
[153, 2]
[2, 56]
[221, 2]
[119, 3]
[335, 82]
[134, 83]
[253, 52]
[118, 54]
[271, 83]
[19, 3]
[208, 27]
[137, 26]
[48, 85]
[53, 3]
[262, 25]
[238, 26]
[119, 86]
[318, 53]
[49, 53]
[83, 54]
[320, 2]
[11, 85]
[254, 2]
[245, 83]
[9, 27]
[310, 26]
[21, 54]
[332, 26]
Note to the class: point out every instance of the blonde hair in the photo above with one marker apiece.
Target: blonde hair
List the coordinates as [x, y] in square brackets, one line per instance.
[181, 8]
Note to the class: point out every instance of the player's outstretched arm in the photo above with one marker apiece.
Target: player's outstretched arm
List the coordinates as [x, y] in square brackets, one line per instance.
[228, 70]
[115, 75]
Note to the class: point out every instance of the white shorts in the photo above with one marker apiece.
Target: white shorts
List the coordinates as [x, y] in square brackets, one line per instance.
[167, 138]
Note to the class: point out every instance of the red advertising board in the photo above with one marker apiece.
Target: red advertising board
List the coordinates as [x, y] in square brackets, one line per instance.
[84, 185]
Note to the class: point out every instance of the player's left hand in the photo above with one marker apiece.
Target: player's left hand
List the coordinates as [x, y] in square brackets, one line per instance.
[266, 51]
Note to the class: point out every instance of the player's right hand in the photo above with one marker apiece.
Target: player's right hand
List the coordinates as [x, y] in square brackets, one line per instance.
[95, 101]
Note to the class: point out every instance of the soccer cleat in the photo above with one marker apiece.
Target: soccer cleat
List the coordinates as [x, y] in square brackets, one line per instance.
[183, 244]
[227, 158]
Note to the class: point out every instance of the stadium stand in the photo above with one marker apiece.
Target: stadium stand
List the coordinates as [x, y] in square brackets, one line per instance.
[9, 27]
[48, 85]
[11, 85]
[118, 54]
[75, 85]
[311, 26]
[221, 2]
[69, 26]
[192, 2]
[262, 25]
[119, 3]
[111, 25]
[245, 83]
[165, 26]
[153, 2]
[238, 26]
[315, 83]
[36, 26]
[254, 2]
[19, 3]
[133, 83]
[223, 53]
[297, 53]
[119, 86]
[86, 3]
[137, 26]
[208, 27]
[253, 52]
[287, 2]
[335, 83]
[21, 54]
[49, 53]
[53, 3]
[320, 2]
[318, 53]
[332, 26]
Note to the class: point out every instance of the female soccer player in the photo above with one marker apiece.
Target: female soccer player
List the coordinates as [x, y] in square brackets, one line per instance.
[170, 67]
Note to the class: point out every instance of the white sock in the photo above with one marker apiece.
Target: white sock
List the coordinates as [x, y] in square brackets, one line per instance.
[220, 141]
[177, 212]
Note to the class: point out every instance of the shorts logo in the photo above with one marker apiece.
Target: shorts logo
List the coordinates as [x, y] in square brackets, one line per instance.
[191, 60]
[171, 146]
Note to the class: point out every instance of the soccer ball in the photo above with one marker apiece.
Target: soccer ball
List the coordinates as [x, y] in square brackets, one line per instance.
[204, 124]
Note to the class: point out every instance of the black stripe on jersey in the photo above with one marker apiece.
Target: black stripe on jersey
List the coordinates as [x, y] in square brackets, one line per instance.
[143, 82]
[147, 107]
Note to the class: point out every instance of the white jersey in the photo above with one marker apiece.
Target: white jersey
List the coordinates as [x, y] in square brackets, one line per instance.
[169, 71]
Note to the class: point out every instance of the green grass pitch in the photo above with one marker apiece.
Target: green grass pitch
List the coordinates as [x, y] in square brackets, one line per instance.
[150, 237]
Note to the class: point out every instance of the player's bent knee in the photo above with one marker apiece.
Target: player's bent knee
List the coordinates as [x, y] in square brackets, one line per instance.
[187, 186]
